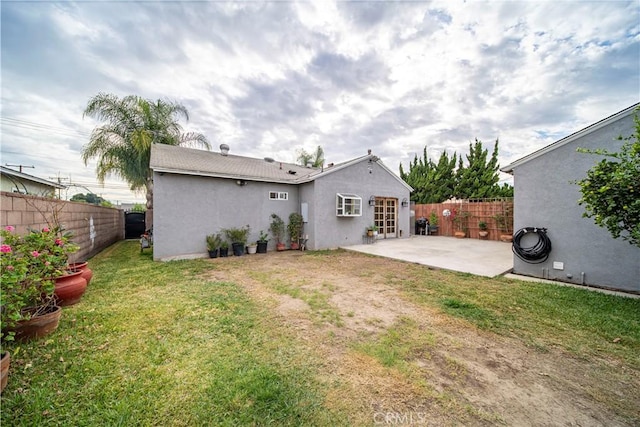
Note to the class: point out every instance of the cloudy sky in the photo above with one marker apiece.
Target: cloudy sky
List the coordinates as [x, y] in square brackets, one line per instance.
[269, 78]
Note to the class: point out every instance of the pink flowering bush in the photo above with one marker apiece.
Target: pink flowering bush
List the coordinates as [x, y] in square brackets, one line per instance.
[28, 266]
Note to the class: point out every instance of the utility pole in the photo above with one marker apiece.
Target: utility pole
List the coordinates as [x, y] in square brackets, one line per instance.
[20, 166]
[59, 179]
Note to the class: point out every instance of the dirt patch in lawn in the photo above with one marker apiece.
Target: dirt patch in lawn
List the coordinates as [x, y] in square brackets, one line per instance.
[347, 308]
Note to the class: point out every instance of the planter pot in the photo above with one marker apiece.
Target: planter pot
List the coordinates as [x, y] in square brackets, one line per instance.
[251, 249]
[213, 254]
[224, 252]
[295, 246]
[460, 234]
[69, 288]
[370, 233]
[238, 249]
[87, 273]
[262, 247]
[433, 229]
[38, 326]
[4, 370]
[506, 238]
[280, 246]
[483, 234]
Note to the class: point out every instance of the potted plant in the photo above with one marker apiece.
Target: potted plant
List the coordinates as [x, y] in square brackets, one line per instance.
[213, 244]
[263, 240]
[238, 237]
[372, 230]
[28, 269]
[295, 228]
[224, 249]
[276, 227]
[504, 222]
[433, 222]
[483, 230]
[461, 220]
[252, 248]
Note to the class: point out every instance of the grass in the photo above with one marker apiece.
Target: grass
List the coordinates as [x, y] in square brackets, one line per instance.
[160, 344]
[153, 344]
[585, 323]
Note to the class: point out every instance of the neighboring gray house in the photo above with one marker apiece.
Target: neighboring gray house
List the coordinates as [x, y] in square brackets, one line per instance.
[19, 182]
[546, 196]
[201, 192]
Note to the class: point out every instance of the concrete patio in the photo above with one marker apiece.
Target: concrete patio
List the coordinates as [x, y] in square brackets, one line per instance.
[481, 257]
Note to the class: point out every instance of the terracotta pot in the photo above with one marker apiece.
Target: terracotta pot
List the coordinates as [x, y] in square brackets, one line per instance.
[295, 246]
[69, 288]
[280, 246]
[38, 326]
[87, 273]
[483, 234]
[506, 237]
[460, 234]
[4, 370]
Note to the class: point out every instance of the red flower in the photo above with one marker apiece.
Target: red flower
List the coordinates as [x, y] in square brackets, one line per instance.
[5, 249]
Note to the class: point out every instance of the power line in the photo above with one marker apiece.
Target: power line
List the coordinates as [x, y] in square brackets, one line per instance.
[25, 124]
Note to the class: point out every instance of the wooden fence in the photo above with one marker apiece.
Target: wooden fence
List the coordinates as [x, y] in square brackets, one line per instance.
[496, 213]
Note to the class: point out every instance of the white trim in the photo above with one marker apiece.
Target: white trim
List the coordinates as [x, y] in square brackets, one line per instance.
[345, 209]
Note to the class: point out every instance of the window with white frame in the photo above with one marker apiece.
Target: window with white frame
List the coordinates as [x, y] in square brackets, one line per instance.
[278, 195]
[348, 205]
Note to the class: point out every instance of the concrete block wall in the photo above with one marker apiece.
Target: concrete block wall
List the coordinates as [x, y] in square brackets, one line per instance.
[93, 227]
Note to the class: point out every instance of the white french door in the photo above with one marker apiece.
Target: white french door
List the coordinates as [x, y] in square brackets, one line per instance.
[385, 216]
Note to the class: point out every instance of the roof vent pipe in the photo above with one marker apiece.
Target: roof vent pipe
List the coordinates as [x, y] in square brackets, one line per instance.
[224, 149]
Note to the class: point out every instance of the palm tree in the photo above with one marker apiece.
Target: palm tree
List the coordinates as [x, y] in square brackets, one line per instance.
[132, 124]
[314, 159]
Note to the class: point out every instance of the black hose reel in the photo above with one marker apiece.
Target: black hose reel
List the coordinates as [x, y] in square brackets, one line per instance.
[537, 253]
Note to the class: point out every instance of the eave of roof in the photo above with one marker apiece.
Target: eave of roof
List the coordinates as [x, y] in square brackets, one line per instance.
[27, 177]
[187, 161]
[568, 139]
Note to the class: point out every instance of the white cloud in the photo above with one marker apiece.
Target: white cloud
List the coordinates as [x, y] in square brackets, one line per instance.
[270, 78]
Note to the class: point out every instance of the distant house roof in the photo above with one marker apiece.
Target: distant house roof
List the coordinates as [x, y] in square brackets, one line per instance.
[18, 177]
[568, 139]
[189, 161]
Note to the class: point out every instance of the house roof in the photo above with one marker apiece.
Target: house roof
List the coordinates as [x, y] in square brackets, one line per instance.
[568, 139]
[10, 173]
[189, 161]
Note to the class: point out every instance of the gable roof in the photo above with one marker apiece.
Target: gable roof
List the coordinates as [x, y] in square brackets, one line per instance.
[574, 136]
[189, 161]
[21, 176]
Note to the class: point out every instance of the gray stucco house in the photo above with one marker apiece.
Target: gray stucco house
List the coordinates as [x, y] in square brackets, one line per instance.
[546, 196]
[200, 192]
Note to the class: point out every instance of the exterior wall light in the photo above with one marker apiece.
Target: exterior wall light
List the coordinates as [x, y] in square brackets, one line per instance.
[372, 201]
[405, 202]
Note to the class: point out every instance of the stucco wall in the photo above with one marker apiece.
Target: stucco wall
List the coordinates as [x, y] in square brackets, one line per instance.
[546, 197]
[332, 231]
[187, 208]
[93, 227]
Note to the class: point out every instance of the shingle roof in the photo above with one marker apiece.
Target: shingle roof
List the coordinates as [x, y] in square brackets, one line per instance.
[171, 159]
[189, 161]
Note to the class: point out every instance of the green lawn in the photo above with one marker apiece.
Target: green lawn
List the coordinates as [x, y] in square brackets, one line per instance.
[158, 344]
[152, 344]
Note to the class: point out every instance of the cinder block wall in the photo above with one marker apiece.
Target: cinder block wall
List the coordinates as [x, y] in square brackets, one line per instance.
[93, 227]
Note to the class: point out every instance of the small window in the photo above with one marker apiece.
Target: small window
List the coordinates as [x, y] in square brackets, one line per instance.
[278, 195]
[348, 205]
